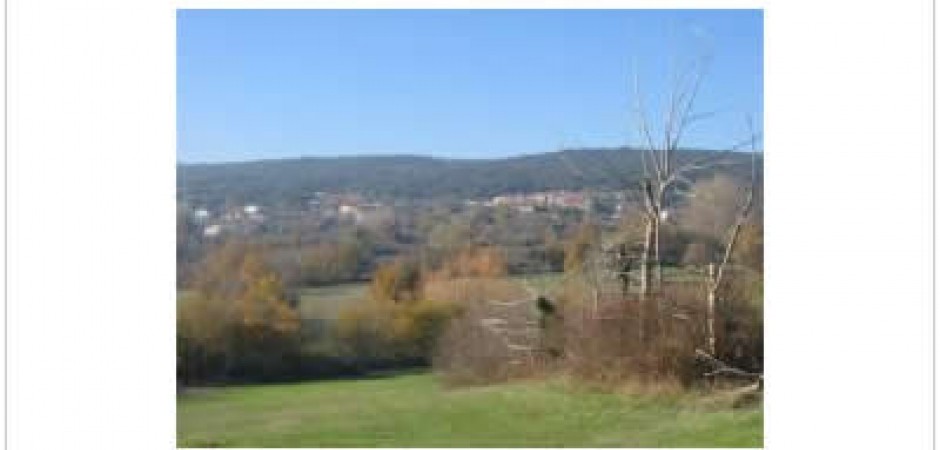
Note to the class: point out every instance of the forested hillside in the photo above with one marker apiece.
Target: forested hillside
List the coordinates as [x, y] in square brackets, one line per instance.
[290, 180]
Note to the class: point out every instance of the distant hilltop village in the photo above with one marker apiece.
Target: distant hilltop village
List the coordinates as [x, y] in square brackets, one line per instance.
[546, 200]
[355, 209]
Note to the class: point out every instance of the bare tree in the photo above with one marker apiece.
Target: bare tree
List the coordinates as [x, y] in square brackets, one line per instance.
[662, 172]
[716, 272]
[660, 169]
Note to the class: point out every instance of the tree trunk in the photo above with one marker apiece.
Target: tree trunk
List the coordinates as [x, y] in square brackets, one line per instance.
[710, 312]
[657, 265]
[645, 277]
[645, 259]
[716, 276]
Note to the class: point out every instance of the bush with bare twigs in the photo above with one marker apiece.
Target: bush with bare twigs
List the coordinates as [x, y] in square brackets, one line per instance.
[599, 339]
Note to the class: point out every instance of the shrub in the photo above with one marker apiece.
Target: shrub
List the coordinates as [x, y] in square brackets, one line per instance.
[237, 322]
[749, 250]
[396, 282]
[578, 247]
[379, 330]
[620, 339]
[741, 324]
[364, 331]
[473, 349]
[473, 262]
[469, 354]
[599, 339]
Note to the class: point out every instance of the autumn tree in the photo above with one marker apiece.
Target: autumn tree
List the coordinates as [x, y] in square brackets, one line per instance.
[397, 281]
[236, 321]
[579, 246]
[474, 262]
[397, 323]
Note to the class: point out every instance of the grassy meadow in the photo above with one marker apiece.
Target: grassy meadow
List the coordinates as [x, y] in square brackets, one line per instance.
[327, 301]
[415, 410]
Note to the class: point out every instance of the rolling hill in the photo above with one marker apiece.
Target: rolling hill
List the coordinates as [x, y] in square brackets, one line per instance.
[417, 177]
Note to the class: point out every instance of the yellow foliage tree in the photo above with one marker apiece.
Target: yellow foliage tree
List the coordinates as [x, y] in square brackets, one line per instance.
[237, 311]
[397, 281]
[576, 251]
[474, 262]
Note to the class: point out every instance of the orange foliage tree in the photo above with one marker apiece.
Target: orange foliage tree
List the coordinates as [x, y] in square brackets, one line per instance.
[236, 321]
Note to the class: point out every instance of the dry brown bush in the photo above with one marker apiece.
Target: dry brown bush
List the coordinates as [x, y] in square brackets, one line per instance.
[599, 340]
[622, 339]
[487, 341]
[741, 324]
[606, 344]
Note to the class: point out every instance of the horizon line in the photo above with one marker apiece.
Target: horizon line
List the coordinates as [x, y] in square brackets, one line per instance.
[445, 158]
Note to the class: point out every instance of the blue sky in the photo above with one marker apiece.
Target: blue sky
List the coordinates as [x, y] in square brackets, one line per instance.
[260, 84]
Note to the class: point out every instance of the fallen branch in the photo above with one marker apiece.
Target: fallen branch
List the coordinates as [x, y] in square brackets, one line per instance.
[732, 372]
[721, 369]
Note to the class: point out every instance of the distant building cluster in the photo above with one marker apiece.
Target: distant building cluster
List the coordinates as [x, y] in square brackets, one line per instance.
[328, 204]
[249, 218]
[338, 208]
[543, 200]
[245, 219]
[367, 214]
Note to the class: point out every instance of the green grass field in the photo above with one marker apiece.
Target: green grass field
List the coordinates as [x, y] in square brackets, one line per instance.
[327, 301]
[414, 410]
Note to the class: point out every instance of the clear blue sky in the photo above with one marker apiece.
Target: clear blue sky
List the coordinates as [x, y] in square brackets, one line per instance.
[259, 84]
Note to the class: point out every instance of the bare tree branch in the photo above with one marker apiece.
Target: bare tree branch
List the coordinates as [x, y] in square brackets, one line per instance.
[643, 124]
[698, 76]
[742, 215]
